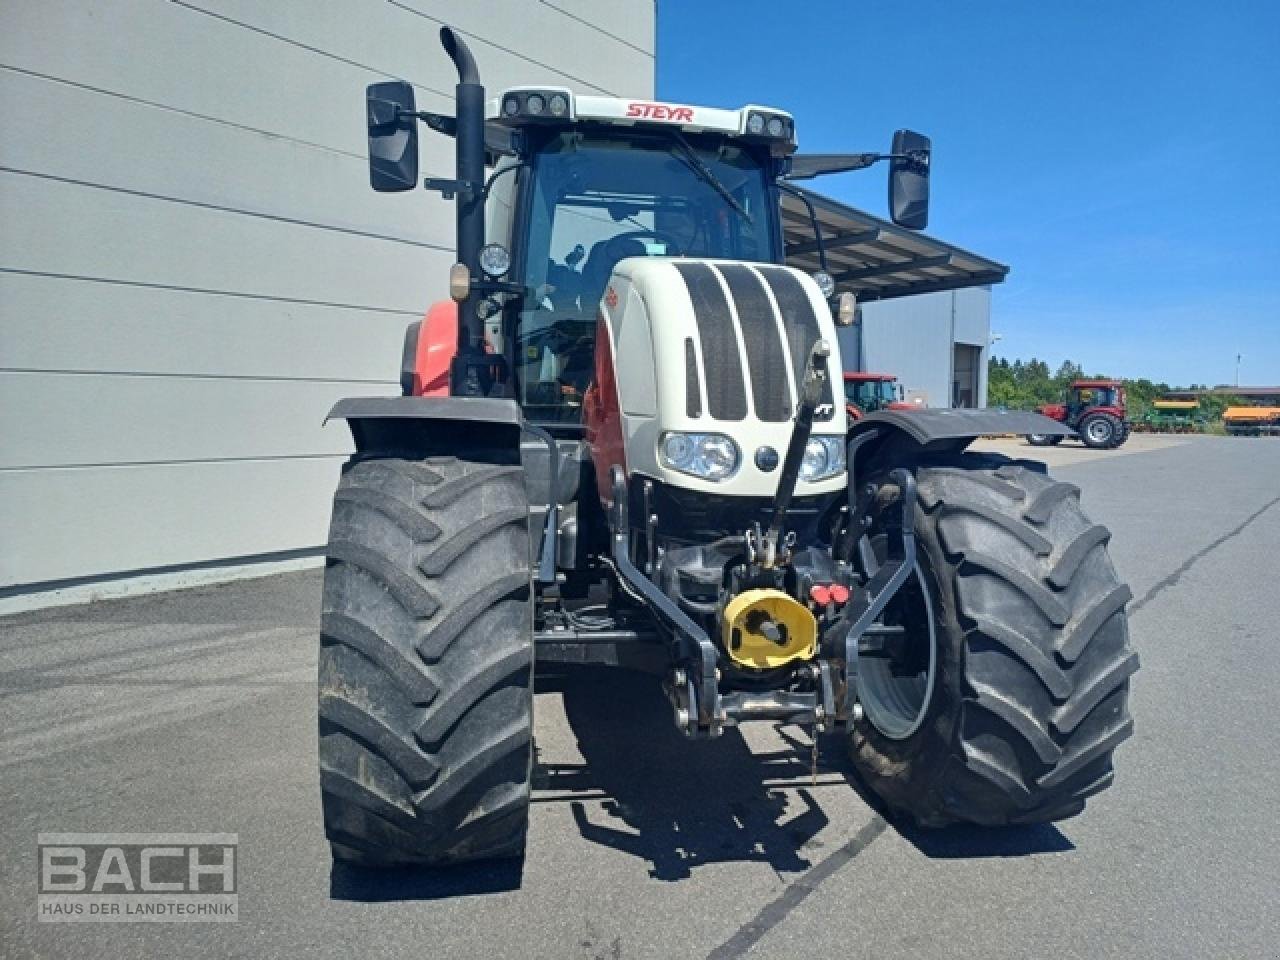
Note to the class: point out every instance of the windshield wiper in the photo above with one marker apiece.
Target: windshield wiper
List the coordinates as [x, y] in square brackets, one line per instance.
[694, 163]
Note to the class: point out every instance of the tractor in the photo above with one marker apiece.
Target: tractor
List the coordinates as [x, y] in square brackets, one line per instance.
[1095, 409]
[868, 392]
[617, 444]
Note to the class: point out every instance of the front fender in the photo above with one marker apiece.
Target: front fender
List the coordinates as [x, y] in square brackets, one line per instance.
[888, 437]
[424, 425]
[420, 427]
[928, 426]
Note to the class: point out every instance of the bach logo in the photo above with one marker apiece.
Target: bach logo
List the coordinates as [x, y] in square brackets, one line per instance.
[660, 111]
[138, 877]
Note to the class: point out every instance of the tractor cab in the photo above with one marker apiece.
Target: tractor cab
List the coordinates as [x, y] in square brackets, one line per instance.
[560, 189]
[868, 392]
[1085, 395]
[594, 181]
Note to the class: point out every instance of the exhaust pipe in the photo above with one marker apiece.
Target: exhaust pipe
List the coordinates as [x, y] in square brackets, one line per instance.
[470, 363]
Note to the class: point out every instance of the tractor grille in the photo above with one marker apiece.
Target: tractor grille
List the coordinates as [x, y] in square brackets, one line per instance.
[801, 325]
[769, 390]
[726, 392]
[768, 352]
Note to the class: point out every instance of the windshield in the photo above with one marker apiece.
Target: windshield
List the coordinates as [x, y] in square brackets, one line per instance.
[598, 200]
[1096, 397]
[870, 393]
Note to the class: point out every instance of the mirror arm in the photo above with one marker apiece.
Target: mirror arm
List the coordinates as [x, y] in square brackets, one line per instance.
[439, 122]
[865, 160]
[449, 189]
[852, 162]
[813, 218]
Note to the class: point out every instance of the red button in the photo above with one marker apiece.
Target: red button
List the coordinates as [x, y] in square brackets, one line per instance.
[820, 594]
[839, 593]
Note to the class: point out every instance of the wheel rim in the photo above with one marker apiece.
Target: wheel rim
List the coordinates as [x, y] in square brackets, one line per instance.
[1099, 430]
[895, 672]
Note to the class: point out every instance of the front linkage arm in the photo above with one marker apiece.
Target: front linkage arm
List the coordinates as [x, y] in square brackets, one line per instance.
[695, 688]
[868, 604]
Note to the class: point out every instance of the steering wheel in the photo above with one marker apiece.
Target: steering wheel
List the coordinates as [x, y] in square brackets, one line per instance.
[673, 246]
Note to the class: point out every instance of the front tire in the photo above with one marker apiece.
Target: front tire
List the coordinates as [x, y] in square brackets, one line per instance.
[1031, 648]
[426, 662]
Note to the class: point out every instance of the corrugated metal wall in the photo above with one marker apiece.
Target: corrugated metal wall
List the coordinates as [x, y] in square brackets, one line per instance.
[914, 337]
[192, 266]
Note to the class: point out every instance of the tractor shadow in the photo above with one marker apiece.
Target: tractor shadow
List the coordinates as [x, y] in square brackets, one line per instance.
[646, 790]
[643, 789]
[368, 885]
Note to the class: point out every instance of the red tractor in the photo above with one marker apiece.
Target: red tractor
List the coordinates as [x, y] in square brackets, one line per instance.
[1095, 409]
[868, 392]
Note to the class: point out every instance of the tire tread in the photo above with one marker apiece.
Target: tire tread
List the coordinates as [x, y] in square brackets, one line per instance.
[1044, 657]
[426, 662]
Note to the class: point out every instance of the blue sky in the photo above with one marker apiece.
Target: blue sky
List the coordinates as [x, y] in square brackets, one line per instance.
[1122, 157]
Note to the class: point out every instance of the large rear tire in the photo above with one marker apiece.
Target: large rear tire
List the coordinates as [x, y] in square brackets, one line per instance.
[1102, 431]
[1023, 627]
[426, 662]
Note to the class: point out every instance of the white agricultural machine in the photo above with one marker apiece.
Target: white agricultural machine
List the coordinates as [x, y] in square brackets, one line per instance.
[619, 443]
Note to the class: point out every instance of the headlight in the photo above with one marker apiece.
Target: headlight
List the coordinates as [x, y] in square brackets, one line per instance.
[494, 259]
[770, 125]
[711, 456]
[534, 104]
[823, 458]
[559, 104]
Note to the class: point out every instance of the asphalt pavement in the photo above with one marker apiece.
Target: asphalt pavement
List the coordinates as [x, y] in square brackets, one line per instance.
[194, 711]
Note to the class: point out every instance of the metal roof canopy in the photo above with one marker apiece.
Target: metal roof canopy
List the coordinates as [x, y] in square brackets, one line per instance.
[873, 258]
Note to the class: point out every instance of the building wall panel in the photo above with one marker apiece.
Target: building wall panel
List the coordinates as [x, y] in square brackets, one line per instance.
[192, 265]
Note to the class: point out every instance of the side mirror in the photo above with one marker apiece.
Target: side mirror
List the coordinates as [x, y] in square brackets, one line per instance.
[909, 180]
[393, 137]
